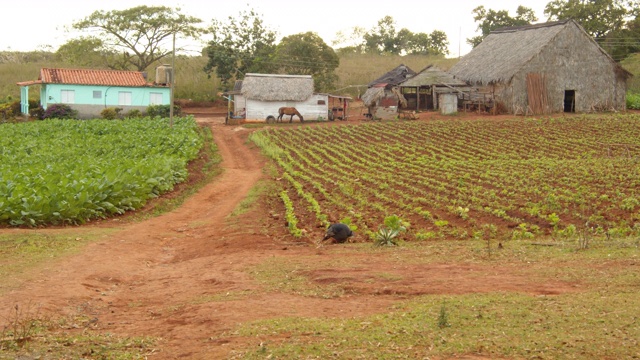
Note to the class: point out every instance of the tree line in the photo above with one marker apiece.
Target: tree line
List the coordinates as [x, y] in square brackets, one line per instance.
[136, 38]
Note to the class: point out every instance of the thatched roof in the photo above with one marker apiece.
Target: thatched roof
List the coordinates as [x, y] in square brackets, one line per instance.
[432, 75]
[394, 77]
[371, 96]
[506, 51]
[273, 87]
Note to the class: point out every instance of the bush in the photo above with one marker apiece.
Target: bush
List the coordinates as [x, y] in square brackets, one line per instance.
[60, 111]
[134, 114]
[111, 113]
[6, 112]
[162, 110]
[633, 101]
[36, 112]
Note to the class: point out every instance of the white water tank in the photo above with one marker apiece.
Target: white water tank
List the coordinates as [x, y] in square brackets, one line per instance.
[448, 103]
[164, 74]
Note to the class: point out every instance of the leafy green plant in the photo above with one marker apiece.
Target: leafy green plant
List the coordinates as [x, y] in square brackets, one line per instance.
[387, 234]
[633, 101]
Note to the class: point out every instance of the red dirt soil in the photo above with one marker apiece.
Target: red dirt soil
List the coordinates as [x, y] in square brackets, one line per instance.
[153, 278]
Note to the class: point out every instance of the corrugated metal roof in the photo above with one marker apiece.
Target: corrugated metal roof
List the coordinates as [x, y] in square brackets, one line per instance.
[92, 77]
[394, 77]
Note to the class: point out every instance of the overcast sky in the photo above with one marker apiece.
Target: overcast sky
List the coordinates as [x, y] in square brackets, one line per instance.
[36, 24]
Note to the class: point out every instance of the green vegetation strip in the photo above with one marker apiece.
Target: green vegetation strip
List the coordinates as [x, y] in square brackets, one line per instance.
[69, 171]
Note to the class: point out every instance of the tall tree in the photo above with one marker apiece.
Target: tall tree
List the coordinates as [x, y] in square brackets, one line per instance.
[613, 23]
[308, 54]
[240, 45]
[489, 20]
[141, 35]
[386, 39]
[435, 43]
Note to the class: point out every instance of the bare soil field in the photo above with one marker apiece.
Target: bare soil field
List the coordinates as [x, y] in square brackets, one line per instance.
[185, 277]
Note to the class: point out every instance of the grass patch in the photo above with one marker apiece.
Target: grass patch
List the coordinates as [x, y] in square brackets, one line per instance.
[599, 320]
[588, 325]
[25, 334]
[290, 275]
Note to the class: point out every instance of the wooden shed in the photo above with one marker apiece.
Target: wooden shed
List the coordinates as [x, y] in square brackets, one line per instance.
[545, 68]
[383, 96]
[421, 90]
[261, 95]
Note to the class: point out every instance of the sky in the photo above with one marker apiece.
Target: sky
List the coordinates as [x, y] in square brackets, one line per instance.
[29, 25]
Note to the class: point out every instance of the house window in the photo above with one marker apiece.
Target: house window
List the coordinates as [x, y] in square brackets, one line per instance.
[321, 102]
[67, 96]
[155, 98]
[97, 94]
[124, 98]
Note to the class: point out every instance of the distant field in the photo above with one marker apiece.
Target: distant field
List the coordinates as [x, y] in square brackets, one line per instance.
[510, 179]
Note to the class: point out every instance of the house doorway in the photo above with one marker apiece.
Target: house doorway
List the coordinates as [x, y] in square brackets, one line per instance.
[570, 101]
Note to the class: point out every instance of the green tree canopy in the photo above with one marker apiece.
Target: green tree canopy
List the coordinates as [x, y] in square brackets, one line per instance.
[140, 36]
[88, 51]
[386, 39]
[489, 20]
[435, 43]
[243, 44]
[613, 23]
[308, 54]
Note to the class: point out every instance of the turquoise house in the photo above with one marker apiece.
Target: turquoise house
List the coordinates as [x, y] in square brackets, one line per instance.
[91, 91]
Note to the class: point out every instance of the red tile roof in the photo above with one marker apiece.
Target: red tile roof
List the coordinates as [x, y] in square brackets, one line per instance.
[92, 77]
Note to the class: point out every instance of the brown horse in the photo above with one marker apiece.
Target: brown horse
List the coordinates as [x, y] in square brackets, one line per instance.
[289, 111]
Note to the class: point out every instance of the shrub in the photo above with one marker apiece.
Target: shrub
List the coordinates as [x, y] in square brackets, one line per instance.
[36, 112]
[60, 111]
[162, 110]
[633, 101]
[108, 113]
[111, 113]
[6, 112]
[134, 114]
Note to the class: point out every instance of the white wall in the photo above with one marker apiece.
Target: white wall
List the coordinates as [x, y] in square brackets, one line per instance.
[310, 109]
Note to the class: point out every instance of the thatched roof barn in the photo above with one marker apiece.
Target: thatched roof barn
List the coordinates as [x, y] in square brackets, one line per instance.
[545, 68]
[421, 90]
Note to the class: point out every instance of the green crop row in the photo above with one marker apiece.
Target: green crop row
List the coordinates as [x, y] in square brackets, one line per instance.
[70, 171]
[454, 179]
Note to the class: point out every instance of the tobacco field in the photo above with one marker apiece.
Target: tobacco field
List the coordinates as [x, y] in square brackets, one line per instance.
[460, 179]
[70, 171]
